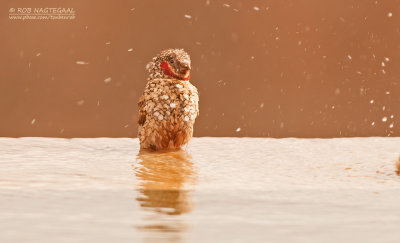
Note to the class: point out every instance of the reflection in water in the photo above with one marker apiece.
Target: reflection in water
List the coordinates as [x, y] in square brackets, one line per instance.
[164, 179]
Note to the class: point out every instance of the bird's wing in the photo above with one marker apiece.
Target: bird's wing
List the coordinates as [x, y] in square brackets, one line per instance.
[142, 111]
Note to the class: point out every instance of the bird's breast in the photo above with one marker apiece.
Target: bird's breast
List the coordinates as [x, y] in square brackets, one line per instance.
[171, 104]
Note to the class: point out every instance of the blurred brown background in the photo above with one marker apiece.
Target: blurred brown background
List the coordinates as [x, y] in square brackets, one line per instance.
[263, 68]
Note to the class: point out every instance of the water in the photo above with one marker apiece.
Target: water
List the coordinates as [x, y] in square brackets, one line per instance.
[218, 190]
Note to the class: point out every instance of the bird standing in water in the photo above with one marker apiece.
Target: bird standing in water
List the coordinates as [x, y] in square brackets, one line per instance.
[168, 106]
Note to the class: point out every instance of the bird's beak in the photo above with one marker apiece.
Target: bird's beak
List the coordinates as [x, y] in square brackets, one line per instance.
[184, 67]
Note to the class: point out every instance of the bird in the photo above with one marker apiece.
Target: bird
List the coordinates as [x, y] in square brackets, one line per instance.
[169, 104]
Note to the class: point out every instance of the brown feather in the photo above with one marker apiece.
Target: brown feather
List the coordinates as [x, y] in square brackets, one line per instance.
[142, 113]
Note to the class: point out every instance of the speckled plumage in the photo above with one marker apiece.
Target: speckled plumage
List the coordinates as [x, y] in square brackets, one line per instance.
[169, 104]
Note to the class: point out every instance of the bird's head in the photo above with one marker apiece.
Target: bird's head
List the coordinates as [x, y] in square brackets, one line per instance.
[170, 64]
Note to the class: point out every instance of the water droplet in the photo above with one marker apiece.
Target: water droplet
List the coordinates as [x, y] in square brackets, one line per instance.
[80, 102]
[107, 80]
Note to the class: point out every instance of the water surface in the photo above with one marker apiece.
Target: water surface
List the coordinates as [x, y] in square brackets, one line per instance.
[217, 190]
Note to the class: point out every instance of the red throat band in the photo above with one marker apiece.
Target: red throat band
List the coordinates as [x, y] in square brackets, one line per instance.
[167, 71]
